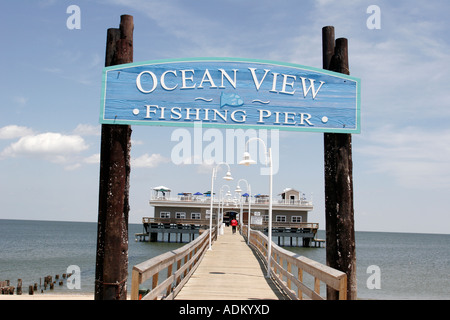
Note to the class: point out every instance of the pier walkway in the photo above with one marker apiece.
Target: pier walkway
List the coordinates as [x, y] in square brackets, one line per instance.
[230, 271]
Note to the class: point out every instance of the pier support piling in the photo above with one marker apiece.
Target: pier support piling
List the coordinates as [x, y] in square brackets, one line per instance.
[339, 211]
[112, 231]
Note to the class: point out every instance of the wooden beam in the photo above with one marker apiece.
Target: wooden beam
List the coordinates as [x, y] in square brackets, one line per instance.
[339, 211]
[112, 230]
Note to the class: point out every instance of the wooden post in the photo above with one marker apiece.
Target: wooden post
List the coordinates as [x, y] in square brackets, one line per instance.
[19, 287]
[339, 220]
[112, 230]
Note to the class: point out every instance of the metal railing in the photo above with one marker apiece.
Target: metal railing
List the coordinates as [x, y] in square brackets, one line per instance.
[256, 201]
[287, 269]
[162, 222]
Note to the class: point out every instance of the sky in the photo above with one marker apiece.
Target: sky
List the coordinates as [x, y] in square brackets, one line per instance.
[51, 87]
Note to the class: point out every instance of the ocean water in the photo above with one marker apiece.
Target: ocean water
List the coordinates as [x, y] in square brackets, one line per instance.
[411, 266]
[31, 250]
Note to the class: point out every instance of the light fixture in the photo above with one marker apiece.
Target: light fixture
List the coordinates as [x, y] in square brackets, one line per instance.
[228, 176]
[213, 177]
[247, 160]
[238, 189]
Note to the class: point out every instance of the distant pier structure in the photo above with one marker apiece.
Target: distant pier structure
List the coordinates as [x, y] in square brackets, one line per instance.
[294, 234]
[170, 230]
[182, 218]
[184, 230]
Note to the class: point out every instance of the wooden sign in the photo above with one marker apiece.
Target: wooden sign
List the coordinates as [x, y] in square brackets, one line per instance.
[230, 93]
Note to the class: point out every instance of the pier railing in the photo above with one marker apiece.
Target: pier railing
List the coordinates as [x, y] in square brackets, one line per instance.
[288, 268]
[234, 202]
[161, 222]
[179, 264]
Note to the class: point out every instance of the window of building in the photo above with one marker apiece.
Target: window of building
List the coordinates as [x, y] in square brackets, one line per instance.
[195, 215]
[164, 214]
[180, 215]
[207, 214]
[280, 219]
[296, 219]
[266, 218]
[292, 198]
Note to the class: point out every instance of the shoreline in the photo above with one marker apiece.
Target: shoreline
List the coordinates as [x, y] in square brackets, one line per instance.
[50, 296]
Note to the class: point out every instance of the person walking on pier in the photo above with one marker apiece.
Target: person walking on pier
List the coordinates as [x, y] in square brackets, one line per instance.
[234, 223]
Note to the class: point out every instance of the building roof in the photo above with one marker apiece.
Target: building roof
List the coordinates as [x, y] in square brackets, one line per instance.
[288, 189]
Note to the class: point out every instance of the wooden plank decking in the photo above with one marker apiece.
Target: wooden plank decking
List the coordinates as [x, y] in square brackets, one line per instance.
[230, 271]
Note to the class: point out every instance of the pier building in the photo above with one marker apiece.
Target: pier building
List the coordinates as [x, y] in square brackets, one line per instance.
[187, 213]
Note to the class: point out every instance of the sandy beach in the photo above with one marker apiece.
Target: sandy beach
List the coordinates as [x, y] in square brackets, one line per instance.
[51, 296]
[45, 296]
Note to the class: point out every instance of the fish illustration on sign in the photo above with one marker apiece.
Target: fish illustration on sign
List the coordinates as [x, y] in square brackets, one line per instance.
[231, 100]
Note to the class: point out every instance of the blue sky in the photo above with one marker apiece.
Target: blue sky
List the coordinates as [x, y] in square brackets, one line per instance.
[51, 85]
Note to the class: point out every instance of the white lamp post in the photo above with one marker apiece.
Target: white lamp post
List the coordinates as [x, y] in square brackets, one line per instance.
[221, 204]
[247, 161]
[213, 177]
[239, 190]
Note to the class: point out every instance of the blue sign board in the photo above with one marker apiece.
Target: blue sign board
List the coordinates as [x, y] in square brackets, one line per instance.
[230, 93]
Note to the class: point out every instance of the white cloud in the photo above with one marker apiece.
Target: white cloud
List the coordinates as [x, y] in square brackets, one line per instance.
[414, 157]
[206, 167]
[136, 142]
[403, 66]
[72, 167]
[94, 159]
[54, 147]
[148, 161]
[87, 130]
[53, 70]
[20, 100]
[14, 131]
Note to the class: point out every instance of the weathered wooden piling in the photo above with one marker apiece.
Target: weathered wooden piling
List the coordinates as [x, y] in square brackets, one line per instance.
[4, 283]
[6, 288]
[9, 290]
[339, 211]
[112, 230]
[19, 287]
